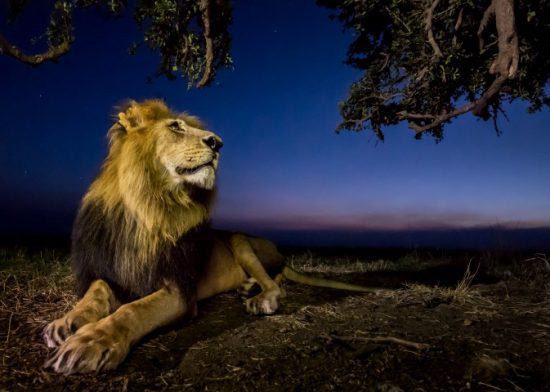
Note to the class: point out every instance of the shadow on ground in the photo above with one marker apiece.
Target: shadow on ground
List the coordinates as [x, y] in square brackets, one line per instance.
[492, 336]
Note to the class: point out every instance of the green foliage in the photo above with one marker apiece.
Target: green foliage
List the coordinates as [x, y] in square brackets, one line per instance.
[402, 73]
[60, 27]
[422, 61]
[176, 30]
[191, 35]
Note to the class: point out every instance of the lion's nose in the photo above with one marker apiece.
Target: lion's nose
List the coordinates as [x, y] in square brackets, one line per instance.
[213, 142]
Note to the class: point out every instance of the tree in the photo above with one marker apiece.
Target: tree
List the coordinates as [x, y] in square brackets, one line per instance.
[429, 61]
[191, 35]
[423, 61]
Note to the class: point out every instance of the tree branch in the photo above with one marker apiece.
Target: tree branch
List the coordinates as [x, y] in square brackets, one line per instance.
[429, 30]
[493, 90]
[415, 116]
[506, 63]
[457, 26]
[490, 11]
[504, 66]
[476, 107]
[52, 54]
[209, 45]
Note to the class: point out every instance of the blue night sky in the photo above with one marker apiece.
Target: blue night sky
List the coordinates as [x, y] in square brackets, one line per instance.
[283, 166]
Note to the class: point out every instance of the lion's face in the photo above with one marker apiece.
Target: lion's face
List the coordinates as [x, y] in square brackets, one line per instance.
[189, 154]
[150, 139]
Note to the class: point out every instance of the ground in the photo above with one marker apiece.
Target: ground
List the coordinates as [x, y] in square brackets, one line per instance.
[457, 328]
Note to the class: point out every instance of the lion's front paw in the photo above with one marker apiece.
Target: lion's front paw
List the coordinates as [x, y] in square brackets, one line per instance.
[266, 302]
[56, 332]
[91, 348]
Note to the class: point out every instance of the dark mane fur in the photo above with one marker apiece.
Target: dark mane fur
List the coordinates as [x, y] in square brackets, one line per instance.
[100, 239]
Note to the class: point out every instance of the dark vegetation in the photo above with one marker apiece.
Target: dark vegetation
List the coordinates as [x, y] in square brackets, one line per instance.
[422, 61]
[441, 321]
[427, 62]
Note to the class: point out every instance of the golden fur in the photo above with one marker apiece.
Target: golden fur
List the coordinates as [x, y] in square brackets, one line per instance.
[133, 183]
[142, 231]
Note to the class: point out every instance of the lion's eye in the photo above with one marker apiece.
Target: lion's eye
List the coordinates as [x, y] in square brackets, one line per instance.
[175, 126]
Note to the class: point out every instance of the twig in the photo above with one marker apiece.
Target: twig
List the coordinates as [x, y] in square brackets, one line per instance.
[382, 339]
[490, 386]
[516, 387]
[429, 29]
[9, 328]
[457, 26]
[396, 16]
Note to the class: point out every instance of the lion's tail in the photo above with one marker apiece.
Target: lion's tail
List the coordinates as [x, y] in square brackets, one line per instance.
[297, 277]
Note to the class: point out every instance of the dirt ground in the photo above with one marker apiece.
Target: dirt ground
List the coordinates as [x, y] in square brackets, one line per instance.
[482, 331]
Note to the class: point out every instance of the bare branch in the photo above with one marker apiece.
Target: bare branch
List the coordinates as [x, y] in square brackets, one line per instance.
[52, 54]
[209, 45]
[429, 30]
[489, 12]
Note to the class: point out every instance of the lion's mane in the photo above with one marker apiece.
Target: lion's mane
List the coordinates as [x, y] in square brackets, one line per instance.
[131, 229]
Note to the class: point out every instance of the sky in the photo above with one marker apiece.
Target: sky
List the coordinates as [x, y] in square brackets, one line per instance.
[283, 167]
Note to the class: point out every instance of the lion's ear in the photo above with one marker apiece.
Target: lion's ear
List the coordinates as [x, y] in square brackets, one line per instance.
[132, 116]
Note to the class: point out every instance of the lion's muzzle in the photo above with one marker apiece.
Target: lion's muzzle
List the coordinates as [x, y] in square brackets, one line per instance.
[213, 142]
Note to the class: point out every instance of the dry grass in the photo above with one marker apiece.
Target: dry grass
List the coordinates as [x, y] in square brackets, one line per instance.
[461, 294]
[308, 262]
[45, 275]
[33, 289]
[534, 270]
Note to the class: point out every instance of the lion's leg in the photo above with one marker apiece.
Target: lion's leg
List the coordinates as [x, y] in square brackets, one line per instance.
[267, 301]
[105, 343]
[246, 288]
[279, 279]
[94, 305]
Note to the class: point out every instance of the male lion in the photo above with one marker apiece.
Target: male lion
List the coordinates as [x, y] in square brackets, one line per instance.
[142, 249]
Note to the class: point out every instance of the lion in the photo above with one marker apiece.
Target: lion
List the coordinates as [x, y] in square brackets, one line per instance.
[143, 251]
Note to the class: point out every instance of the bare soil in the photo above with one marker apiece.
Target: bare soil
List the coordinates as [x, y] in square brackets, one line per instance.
[481, 334]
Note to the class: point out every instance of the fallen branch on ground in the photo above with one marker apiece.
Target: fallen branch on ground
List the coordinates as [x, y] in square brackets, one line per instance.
[379, 339]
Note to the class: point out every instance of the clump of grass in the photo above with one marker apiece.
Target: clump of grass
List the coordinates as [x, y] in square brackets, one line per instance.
[435, 295]
[31, 273]
[534, 270]
[34, 287]
[307, 262]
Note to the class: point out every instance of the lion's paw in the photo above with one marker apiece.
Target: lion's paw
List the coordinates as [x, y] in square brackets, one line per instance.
[267, 302]
[92, 348]
[246, 288]
[56, 332]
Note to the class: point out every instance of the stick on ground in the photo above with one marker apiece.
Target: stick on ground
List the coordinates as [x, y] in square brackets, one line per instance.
[381, 339]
